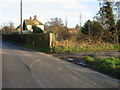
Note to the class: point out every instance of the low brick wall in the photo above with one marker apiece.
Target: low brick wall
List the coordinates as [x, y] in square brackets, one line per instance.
[42, 40]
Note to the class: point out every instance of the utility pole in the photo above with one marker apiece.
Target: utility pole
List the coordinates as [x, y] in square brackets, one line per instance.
[21, 15]
[66, 21]
[80, 19]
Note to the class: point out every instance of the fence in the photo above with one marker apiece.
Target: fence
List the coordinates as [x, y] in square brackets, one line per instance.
[42, 40]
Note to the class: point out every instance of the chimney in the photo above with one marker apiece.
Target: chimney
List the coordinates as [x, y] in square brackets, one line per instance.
[30, 18]
[35, 17]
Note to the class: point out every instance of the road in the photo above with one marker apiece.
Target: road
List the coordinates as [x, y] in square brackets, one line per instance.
[26, 68]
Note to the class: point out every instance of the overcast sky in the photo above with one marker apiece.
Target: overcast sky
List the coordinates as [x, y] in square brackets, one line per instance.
[46, 9]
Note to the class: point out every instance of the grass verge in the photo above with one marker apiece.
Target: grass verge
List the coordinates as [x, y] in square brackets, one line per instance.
[71, 49]
[46, 50]
[110, 66]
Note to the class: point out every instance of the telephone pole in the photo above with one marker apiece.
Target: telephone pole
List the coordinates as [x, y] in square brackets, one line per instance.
[21, 15]
[66, 21]
[80, 19]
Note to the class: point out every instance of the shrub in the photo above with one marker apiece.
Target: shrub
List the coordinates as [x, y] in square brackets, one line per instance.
[37, 29]
[24, 26]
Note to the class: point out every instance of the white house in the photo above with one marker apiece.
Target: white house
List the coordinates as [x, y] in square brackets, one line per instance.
[30, 22]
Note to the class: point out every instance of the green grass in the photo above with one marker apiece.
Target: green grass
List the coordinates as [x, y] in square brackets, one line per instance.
[72, 49]
[46, 50]
[110, 65]
[89, 59]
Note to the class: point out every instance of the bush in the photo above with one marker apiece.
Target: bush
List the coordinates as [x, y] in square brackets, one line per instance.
[24, 26]
[37, 29]
[92, 28]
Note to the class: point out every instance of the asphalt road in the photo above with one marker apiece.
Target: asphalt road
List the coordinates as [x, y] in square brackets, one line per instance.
[25, 68]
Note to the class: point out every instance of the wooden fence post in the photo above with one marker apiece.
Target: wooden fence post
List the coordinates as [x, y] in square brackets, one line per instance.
[50, 39]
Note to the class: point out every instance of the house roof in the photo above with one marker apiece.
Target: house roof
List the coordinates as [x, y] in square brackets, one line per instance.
[37, 22]
[29, 22]
[32, 22]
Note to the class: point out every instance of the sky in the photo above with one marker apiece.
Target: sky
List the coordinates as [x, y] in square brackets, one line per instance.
[47, 9]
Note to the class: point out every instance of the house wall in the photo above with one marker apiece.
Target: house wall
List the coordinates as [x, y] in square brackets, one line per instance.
[29, 27]
[41, 26]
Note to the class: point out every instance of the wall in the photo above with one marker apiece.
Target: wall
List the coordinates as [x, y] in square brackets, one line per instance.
[29, 27]
[42, 40]
[41, 26]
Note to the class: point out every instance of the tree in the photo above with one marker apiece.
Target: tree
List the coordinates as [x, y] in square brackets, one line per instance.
[118, 26]
[11, 26]
[56, 25]
[36, 29]
[55, 22]
[8, 29]
[92, 28]
[116, 9]
[105, 16]
[118, 31]
[63, 34]
[96, 28]
[86, 29]
[78, 27]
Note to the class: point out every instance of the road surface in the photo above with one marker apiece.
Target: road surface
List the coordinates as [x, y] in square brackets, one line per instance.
[26, 68]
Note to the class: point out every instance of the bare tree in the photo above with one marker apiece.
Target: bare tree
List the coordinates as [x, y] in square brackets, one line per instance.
[57, 22]
[56, 25]
[8, 29]
[11, 26]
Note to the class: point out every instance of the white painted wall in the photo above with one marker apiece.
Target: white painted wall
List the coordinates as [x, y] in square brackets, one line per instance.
[29, 27]
[41, 26]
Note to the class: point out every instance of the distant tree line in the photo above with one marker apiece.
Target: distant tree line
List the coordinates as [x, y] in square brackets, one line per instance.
[104, 28]
[8, 29]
